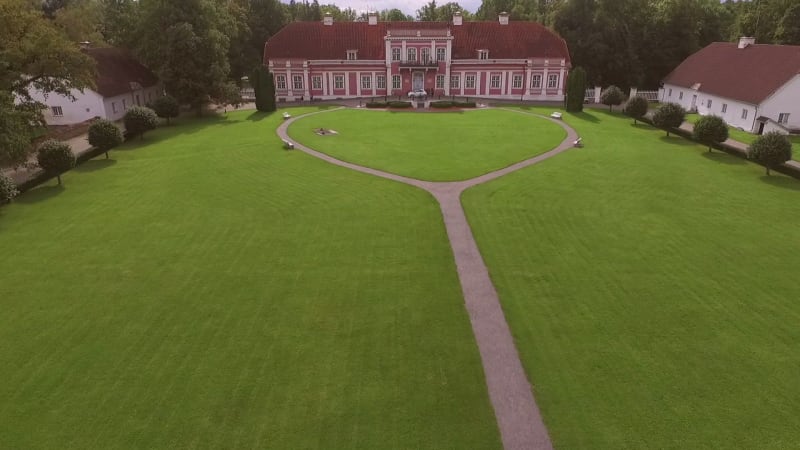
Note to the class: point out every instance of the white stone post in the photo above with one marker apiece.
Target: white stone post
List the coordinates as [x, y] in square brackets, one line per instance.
[597, 91]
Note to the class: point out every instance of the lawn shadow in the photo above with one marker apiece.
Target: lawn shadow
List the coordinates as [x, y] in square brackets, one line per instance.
[584, 116]
[674, 139]
[39, 194]
[257, 116]
[781, 182]
[642, 126]
[95, 164]
[723, 158]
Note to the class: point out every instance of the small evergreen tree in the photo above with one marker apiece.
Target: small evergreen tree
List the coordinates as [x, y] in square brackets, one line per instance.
[669, 115]
[166, 107]
[770, 150]
[576, 89]
[612, 96]
[636, 107]
[55, 157]
[104, 135]
[138, 120]
[8, 190]
[264, 89]
[710, 130]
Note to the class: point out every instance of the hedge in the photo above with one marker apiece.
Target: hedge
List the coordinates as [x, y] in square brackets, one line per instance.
[398, 104]
[376, 105]
[442, 104]
[464, 104]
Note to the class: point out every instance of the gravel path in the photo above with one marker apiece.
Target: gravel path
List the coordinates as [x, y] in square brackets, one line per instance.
[518, 417]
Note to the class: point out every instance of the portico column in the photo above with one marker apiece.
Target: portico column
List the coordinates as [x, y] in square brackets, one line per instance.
[526, 83]
[358, 84]
[463, 80]
[447, 79]
[347, 83]
[403, 54]
[289, 84]
[374, 83]
[544, 81]
[477, 83]
[306, 82]
[561, 82]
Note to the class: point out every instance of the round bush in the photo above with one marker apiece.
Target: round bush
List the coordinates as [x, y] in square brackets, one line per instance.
[710, 130]
[636, 107]
[104, 135]
[612, 96]
[55, 157]
[138, 120]
[166, 107]
[669, 115]
[770, 150]
[8, 190]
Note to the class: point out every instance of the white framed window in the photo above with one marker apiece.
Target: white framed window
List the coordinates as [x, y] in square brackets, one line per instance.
[670, 93]
[483, 54]
[516, 82]
[439, 81]
[495, 80]
[455, 82]
[552, 81]
[469, 81]
[352, 55]
[536, 81]
[783, 118]
[396, 53]
[724, 108]
[411, 54]
[425, 54]
[708, 104]
[280, 81]
[316, 82]
[440, 53]
[114, 107]
[381, 81]
[57, 111]
[338, 81]
[744, 114]
[680, 95]
[366, 81]
[395, 81]
[297, 82]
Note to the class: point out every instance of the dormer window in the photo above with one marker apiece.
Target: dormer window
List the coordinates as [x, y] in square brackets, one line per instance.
[352, 55]
[483, 54]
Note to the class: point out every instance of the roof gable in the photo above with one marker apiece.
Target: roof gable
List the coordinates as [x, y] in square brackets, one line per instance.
[117, 70]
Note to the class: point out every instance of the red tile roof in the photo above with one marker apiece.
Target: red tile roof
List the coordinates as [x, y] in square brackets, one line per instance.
[314, 40]
[750, 74]
[117, 69]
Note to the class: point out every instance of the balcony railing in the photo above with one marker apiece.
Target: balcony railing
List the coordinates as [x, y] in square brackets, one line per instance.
[418, 63]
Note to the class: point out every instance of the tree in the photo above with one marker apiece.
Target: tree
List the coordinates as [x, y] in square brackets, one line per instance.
[710, 130]
[394, 15]
[770, 150]
[104, 135]
[612, 96]
[229, 94]
[15, 131]
[636, 107]
[788, 31]
[138, 120]
[576, 89]
[264, 88]
[166, 107]
[8, 190]
[669, 115]
[55, 158]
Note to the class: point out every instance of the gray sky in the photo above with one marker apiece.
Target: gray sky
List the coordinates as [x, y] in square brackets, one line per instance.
[407, 6]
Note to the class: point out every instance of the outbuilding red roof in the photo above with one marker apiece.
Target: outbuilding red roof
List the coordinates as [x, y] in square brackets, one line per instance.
[749, 74]
[117, 69]
[314, 40]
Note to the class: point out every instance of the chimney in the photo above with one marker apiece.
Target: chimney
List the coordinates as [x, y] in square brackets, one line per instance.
[457, 18]
[372, 18]
[745, 41]
[503, 18]
[327, 19]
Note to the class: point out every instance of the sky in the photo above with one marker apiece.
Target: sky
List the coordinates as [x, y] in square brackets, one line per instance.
[407, 6]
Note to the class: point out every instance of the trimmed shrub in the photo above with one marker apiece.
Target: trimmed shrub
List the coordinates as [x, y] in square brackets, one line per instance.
[612, 96]
[398, 104]
[8, 190]
[55, 158]
[668, 116]
[770, 150]
[264, 88]
[576, 89]
[376, 104]
[104, 135]
[636, 107]
[138, 120]
[464, 104]
[442, 104]
[166, 107]
[710, 130]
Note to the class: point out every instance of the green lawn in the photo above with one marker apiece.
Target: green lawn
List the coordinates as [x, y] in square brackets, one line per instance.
[442, 146]
[652, 290]
[206, 289]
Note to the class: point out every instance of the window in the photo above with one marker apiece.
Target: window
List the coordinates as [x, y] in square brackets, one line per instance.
[536, 81]
[396, 54]
[670, 93]
[280, 81]
[366, 81]
[455, 82]
[57, 111]
[426, 54]
[114, 107]
[381, 81]
[708, 104]
[395, 81]
[495, 81]
[439, 81]
[744, 114]
[469, 81]
[338, 81]
[680, 95]
[517, 82]
[440, 54]
[297, 82]
[724, 108]
[483, 54]
[316, 82]
[552, 81]
[411, 54]
[783, 118]
[124, 104]
[352, 55]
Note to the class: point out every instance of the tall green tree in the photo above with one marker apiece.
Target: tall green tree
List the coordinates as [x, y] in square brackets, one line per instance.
[576, 89]
[264, 88]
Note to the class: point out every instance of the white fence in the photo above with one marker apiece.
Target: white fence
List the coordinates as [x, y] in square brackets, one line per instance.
[248, 94]
[592, 95]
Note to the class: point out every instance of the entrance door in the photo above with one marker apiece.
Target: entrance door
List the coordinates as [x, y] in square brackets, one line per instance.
[761, 128]
[418, 81]
[694, 103]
